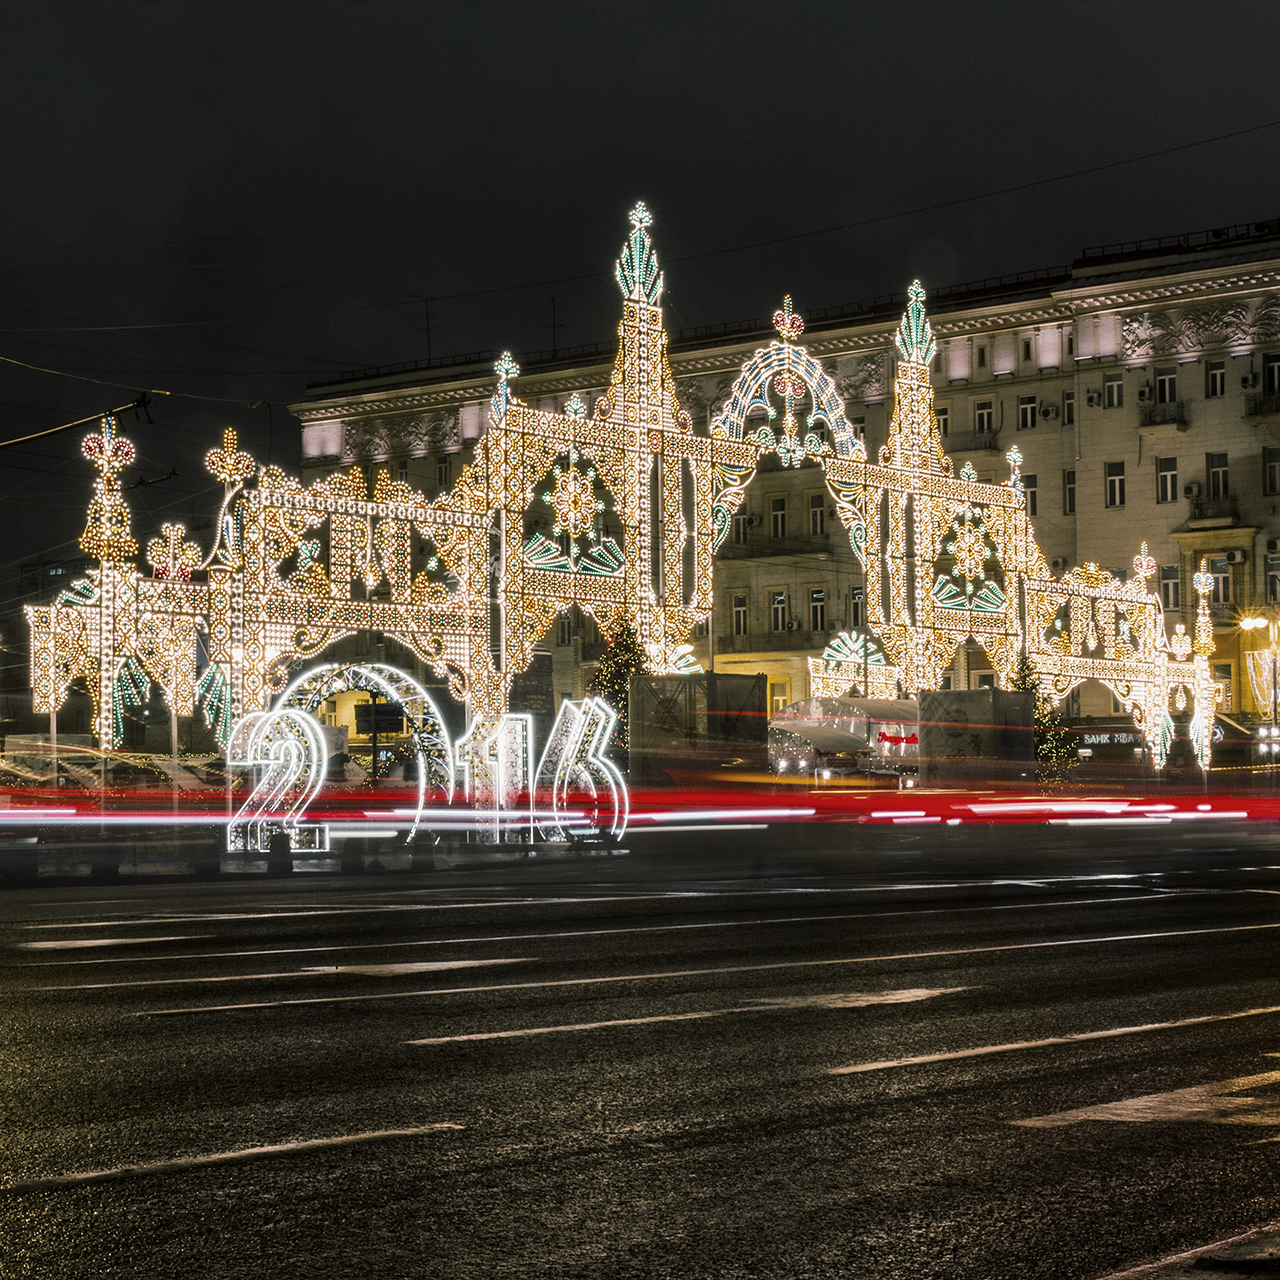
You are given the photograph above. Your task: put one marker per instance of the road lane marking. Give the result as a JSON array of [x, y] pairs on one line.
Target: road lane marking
[[243, 1156], [1215, 1103], [368, 970], [1156, 894], [1082, 1037], [76, 944], [849, 1000], [698, 973]]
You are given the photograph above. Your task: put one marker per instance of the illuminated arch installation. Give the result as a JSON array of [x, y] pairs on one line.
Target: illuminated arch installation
[[945, 556]]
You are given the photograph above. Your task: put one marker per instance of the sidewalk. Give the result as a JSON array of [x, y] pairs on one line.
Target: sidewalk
[[1256, 1253]]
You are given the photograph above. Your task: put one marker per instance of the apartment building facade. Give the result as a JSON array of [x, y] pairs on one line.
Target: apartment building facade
[[1140, 384]]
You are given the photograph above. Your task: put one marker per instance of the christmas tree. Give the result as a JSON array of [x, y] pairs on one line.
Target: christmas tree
[[1055, 748], [623, 657]]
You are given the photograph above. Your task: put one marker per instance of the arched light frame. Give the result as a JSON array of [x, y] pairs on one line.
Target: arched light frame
[[426, 726]]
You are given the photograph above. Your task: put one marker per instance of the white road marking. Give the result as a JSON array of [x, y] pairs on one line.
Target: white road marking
[[850, 1000], [1080, 1038], [697, 973], [376, 970], [76, 944], [220, 1157], [1212, 1103], [1157, 894], [1173, 1259]]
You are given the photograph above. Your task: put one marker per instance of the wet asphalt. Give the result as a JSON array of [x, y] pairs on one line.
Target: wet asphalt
[[699, 1119]]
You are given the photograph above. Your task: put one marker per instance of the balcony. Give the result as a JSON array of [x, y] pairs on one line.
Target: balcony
[[1213, 513], [971, 441], [774, 642], [1172, 414], [1257, 405]]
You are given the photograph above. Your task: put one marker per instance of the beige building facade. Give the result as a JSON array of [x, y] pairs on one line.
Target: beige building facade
[[1140, 384]]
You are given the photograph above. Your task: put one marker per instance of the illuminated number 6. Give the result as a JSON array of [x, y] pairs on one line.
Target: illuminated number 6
[[289, 749], [574, 764]]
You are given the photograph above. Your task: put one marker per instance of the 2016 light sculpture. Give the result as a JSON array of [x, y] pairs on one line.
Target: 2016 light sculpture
[[640, 501]]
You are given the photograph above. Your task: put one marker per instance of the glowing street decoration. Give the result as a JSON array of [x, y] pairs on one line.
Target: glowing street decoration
[[496, 763], [640, 503], [575, 767], [286, 750]]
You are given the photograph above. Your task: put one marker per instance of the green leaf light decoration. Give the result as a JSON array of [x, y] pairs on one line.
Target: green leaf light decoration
[[914, 338], [637, 269]]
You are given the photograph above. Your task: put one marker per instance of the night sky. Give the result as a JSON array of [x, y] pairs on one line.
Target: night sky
[[231, 200]]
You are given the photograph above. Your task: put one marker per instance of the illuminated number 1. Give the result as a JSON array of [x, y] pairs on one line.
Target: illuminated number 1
[[496, 761]]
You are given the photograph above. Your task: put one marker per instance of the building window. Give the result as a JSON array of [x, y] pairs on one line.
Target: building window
[[1271, 470], [945, 684], [1026, 412], [1170, 587], [1113, 391], [701, 628], [1166, 479], [1068, 493], [778, 697], [1068, 408], [1273, 579], [817, 514], [564, 630], [942, 416], [402, 471], [1030, 488], [362, 642], [740, 529], [986, 679], [1071, 344], [1222, 678], [982, 357], [1216, 466], [1221, 573], [984, 416], [818, 609], [778, 610], [778, 517], [859, 426], [1026, 350], [1166, 386], [740, 615], [855, 607], [1271, 374], [1115, 484], [937, 363], [1215, 381], [442, 472]]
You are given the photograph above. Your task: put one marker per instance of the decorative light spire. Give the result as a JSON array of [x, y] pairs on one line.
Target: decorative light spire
[[787, 322], [914, 338], [637, 269], [107, 535], [231, 464], [506, 369]]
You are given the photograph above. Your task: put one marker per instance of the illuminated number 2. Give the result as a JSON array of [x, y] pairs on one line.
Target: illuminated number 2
[[289, 749]]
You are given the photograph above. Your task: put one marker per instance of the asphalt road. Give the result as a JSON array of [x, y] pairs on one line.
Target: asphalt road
[[700, 1057]]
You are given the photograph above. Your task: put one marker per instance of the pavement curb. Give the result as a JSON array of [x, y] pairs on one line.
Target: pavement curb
[[1255, 1253]]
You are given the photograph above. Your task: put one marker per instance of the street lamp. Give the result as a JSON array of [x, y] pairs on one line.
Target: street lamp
[[1271, 624]]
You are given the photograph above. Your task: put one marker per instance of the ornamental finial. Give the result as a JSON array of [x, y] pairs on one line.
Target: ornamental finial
[[637, 269], [914, 338], [787, 323]]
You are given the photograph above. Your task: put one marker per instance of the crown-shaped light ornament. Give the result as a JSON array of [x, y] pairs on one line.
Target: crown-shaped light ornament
[[787, 322], [231, 464], [637, 269], [107, 535]]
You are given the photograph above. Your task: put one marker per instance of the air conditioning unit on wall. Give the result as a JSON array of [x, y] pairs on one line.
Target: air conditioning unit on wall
[[1191, 490], [1093, 398], [1234, 556], [1048, 411], [1058, 563]]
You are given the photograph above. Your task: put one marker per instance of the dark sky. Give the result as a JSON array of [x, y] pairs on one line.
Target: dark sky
[[234, 199]]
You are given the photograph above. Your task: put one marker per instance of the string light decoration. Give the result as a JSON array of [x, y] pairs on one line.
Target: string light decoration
[[642, 503]]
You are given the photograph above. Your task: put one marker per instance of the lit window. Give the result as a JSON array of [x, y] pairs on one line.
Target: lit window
[[740, 615], [778, 517], [778, 610], [1030, 488], [1166, 479], [1113, 391], [984, 416], [1215, 383], [1026, 412], [818, 609], [1216, 466], [1115, 484], [817, 514], [1170, 587], [778, 697]]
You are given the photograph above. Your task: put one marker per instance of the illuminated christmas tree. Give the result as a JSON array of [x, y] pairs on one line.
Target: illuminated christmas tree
[[623, 658], [1055, 748]]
